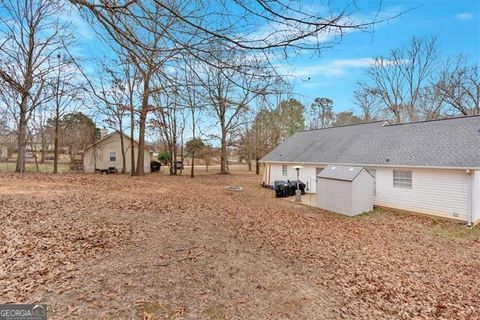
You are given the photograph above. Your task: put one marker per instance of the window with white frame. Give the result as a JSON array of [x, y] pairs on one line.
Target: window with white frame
[[113, 156], [402, 179], [284, 170]]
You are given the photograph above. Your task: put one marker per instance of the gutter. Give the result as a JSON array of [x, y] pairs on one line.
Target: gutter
[[369, 165]]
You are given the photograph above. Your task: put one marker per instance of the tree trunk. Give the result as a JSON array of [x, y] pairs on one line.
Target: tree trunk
[[22, 137], [170, 155], [132, 141], [141, 137], [142, 125], [55, 144], [44, 145], [181, 158], [257, 165], [122, 147], [174, 158], [223, 152], [192, 171], [141, 144]]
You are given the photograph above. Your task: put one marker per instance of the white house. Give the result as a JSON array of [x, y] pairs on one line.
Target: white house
[[108, 153], [430, 167]]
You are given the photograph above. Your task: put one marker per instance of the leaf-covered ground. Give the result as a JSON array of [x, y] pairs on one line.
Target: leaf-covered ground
[[160, 247]]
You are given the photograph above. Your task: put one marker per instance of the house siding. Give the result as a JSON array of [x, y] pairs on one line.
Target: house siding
[[307, 175], [437, 192], [102, 151], [476, 196]]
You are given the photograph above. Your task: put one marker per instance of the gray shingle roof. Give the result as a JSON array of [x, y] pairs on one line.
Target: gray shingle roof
[[451, 142], [345, 173]]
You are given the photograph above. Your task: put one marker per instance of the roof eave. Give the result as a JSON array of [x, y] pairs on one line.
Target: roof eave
[[369, 165]]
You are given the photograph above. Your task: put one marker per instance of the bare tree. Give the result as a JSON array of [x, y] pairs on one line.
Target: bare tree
[[459, 85], [399, 78], [67, 95], [152, 32], [117, 103], [432, 104], [230, 92], [171, 115], [141, 38], [284, 25], [367, 102], [33, 38], [193, 100]]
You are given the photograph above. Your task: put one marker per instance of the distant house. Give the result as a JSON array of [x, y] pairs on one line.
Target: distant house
[[8, 143], [430, 167], [107, 153], [3, 152]]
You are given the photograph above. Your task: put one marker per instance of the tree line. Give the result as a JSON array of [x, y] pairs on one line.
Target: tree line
[[412, 83], [181, 72], [169, 63], [415, 82]]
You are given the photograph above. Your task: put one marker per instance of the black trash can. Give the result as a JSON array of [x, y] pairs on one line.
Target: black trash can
[[280, 188], [293, 187]]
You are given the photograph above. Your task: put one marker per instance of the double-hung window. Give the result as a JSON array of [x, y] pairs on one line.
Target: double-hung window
[[284, 170], [113, 156], [402, 179]]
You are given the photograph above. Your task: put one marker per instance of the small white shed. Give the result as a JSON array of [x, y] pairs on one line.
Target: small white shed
[[345, 190]]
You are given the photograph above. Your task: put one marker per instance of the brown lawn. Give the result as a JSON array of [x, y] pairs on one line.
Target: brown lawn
[[160, 247]]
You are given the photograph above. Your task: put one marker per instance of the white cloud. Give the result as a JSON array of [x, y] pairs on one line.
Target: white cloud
[[332, 68], [77, 24], [465, 16]]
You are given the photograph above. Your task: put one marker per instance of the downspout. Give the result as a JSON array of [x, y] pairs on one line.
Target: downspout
[[470, 196]]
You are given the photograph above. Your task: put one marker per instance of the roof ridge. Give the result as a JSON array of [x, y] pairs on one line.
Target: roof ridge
[[345, 125], [433, 120]]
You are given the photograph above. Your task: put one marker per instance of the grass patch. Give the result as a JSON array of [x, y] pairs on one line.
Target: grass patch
[[30, 167], [215, 312], [455, 231], [154, 309], [375, 213]]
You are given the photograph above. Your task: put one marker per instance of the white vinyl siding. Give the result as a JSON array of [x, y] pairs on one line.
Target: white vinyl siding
[[402, 179], [476, 197], [307, 175], [435, 191]]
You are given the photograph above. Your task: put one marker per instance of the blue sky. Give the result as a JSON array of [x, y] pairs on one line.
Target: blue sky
[[334, 74]]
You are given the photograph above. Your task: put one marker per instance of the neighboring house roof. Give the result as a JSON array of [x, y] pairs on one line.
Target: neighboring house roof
[[453, 142], [111, 135], [344, 173]]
